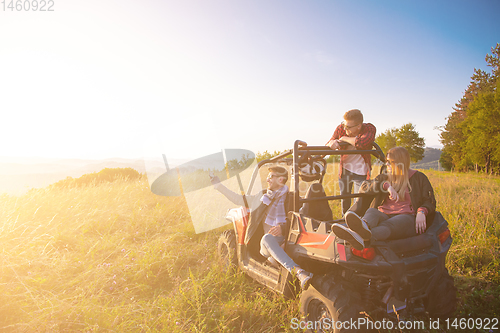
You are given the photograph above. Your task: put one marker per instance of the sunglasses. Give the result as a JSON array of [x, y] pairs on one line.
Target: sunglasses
[[349, 127]]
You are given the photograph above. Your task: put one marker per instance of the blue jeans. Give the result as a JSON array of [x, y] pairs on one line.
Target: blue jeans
[[270, 247], [385, 226], [346, 183]]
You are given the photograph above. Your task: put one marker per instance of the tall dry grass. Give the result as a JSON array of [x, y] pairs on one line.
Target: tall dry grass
[[471, 205], [115, 257]]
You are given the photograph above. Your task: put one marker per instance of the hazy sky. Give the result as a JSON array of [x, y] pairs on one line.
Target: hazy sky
[[98, 79]]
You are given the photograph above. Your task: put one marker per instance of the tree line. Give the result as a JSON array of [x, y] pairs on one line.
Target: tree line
[[471, 136]]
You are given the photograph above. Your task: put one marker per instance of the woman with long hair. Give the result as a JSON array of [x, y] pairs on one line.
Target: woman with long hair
[[403, 205]]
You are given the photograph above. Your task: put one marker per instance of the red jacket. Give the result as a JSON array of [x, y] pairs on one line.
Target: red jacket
[[364, 141]]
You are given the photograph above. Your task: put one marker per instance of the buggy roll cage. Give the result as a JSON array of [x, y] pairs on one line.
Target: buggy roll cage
[[301, 151]]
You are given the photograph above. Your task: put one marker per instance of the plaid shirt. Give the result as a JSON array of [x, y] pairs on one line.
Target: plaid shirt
[[363, 141], [276, 213]]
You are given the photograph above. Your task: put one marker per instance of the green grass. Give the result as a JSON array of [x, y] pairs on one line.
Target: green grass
[[471, 205], [113, 257]]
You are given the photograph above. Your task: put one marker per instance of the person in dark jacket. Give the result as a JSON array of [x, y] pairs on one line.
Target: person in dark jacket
[[403, 205], [269, 213]]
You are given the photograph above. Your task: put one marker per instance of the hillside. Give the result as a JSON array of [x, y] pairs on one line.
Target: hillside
[[18, 175], [430, 160]]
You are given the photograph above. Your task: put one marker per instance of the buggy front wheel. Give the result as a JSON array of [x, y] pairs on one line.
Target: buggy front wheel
[[226, 249]]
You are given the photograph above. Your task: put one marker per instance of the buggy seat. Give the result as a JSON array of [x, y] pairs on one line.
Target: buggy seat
[[318, 210]]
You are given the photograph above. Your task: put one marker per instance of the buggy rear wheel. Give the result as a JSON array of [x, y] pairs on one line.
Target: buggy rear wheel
[[442, 301], [327, 306], [226, 249]]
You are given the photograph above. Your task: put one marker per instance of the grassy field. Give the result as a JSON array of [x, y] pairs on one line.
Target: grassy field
[[113, 257]]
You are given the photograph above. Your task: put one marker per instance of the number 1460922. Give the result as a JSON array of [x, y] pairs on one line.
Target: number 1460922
[[28, 5]]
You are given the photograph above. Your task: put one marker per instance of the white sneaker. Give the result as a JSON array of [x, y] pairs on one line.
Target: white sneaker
[[304, 278], [348, 235], [358, 225]]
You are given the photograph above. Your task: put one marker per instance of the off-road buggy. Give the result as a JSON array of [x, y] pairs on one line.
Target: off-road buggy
[[407, 275]]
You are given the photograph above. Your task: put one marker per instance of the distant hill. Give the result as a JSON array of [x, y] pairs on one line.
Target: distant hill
[[430, 160], [18, 175]]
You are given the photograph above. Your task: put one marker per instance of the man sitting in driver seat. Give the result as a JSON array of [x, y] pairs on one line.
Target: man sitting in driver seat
[[274, 217]]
